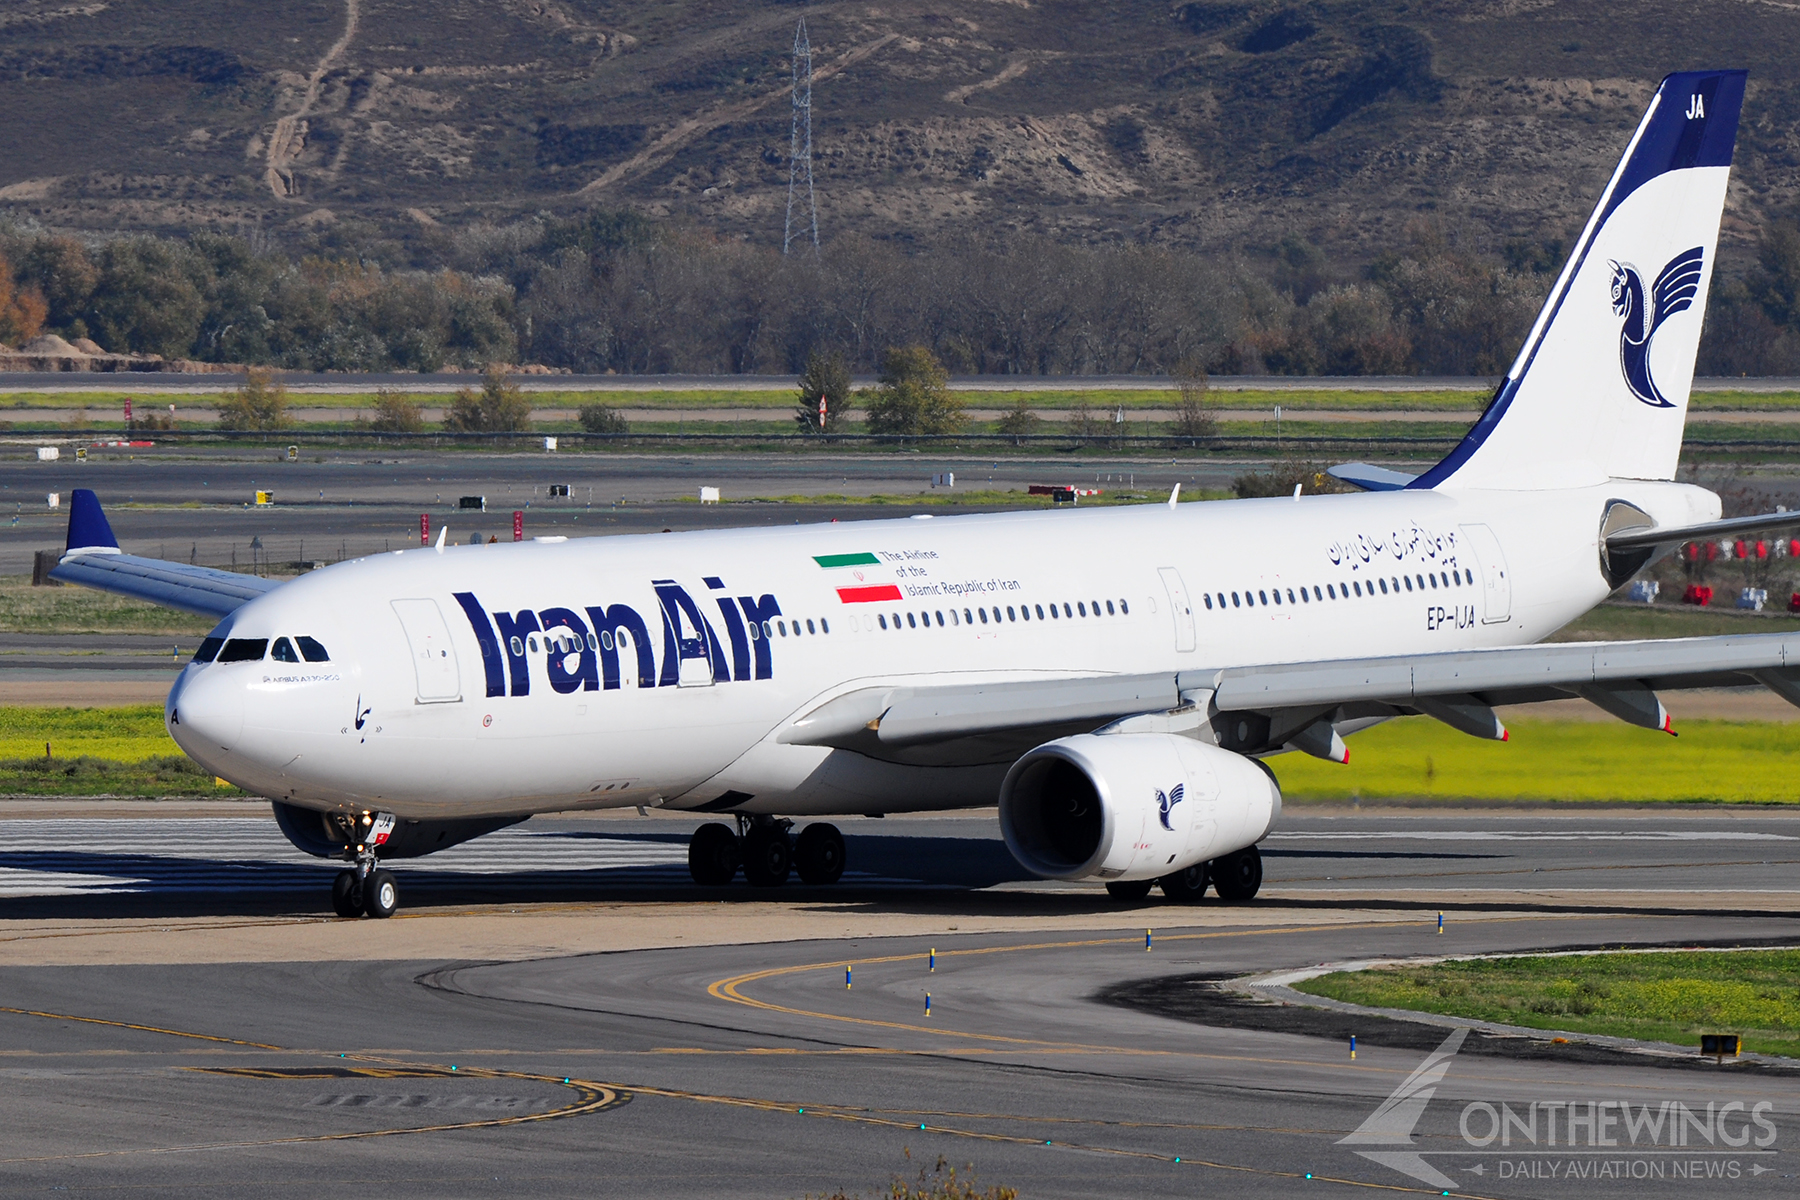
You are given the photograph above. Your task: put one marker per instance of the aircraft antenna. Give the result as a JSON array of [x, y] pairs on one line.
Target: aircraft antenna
[[800, 142]]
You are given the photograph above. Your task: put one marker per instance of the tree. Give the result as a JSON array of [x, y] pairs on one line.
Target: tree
[[22, 309], [499, 407], [602, 418], [1193, 411], [260, 404], [1776, 284], [1082, 421], [1020, 422], [914, 396], [826, 375], [396, 412], [148, 300]]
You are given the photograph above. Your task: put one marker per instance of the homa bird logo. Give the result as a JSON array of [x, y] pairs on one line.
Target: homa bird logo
[[1166, 803], [1644, 313]]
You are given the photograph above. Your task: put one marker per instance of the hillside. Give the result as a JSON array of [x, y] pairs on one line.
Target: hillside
[[1205, 126]]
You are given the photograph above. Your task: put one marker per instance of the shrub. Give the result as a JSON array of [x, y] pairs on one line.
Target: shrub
[[914, 395], [1020, 422], [602, 418], [260, 404], [396, 412], [499, 407]]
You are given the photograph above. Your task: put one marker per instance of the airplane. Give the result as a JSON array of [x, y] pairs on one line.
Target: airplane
[[1112, 678]]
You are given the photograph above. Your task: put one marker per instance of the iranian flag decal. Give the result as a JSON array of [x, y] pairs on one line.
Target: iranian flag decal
[[863, 593]]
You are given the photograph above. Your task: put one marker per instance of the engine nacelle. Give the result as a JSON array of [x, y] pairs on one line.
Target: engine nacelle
[[1132, 805]]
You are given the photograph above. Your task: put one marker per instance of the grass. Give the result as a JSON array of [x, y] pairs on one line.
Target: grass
[[1626, 621], [1662, 996], [130, 734], [1416, 758], [97, 752], [27, 609]]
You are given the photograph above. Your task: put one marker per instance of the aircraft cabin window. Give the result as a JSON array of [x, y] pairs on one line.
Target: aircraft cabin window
[[606, 642], [1208, 601], [517, 647], [1304, 598], [209, 650], [1109, 608], [532, 643], [1009, 612], [1331, 591], [1067, 611], [1124, 608], [284, 651], [910, 623], [883, 621], [968, 618], [1053, 612], [824, 625], [1234, 600], [1433, 579], [1357, 586], [1264, 597], [1383, 584], [1277, 596], [781, 628], [940, 620], [1040, 612], [243, 650], [1408, 579], [809, 626], [983, 613]]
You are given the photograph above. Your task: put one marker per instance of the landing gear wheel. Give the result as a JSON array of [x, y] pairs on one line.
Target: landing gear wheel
[[767, 857], [1129, 889], [1187, 886], [713, 855], [1238, 876], [346, 897], [381, 895], [819, 854]]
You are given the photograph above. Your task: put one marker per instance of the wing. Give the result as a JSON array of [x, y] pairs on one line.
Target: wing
[[93, 559], [1677, 285], [1269, 709]]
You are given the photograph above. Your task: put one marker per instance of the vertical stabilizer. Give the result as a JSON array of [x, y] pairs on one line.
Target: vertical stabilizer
[[1600, 388]]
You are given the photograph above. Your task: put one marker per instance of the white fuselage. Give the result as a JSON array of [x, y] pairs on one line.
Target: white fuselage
[[421, 712]]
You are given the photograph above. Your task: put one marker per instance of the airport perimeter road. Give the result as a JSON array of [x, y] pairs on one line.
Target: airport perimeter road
[[611, 1031]]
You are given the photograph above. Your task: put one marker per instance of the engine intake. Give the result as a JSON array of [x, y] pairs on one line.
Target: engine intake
[[1132, 806]]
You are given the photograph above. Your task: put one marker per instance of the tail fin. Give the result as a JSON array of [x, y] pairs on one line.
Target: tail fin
[[89, 530], [1600, 388]]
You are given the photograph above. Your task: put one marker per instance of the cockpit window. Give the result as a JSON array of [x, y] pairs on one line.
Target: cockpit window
[[209, 650], [284, 651], [311, 649], [243, 650]]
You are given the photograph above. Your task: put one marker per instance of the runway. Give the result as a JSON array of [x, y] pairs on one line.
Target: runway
[[556, 1011]]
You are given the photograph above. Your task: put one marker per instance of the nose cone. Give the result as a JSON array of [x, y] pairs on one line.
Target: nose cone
[[205, 713]]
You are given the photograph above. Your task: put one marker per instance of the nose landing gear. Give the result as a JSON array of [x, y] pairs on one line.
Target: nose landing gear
[[762, 847], [365, 888]]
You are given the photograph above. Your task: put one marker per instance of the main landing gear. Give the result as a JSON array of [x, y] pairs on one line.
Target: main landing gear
[[1236, 877], [762, 848], [365, 888]]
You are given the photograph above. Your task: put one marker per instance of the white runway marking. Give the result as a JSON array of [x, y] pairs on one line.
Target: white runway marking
[[93, 856]]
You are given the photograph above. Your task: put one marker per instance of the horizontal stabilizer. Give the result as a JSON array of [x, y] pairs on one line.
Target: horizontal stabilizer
[[1709, 531], [200, 590], [1369, 477]]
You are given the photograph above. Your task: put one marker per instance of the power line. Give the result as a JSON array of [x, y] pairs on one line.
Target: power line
[[800, 140]]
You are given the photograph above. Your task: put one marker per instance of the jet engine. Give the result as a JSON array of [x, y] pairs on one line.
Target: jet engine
[[1132, 806], [318, 834]]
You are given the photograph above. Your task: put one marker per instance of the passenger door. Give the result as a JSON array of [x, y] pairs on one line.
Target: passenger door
[[1496, 586], [1181, 606], [433, 657]]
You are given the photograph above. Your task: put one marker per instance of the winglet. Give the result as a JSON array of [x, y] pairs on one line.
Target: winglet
[[89, 532]]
